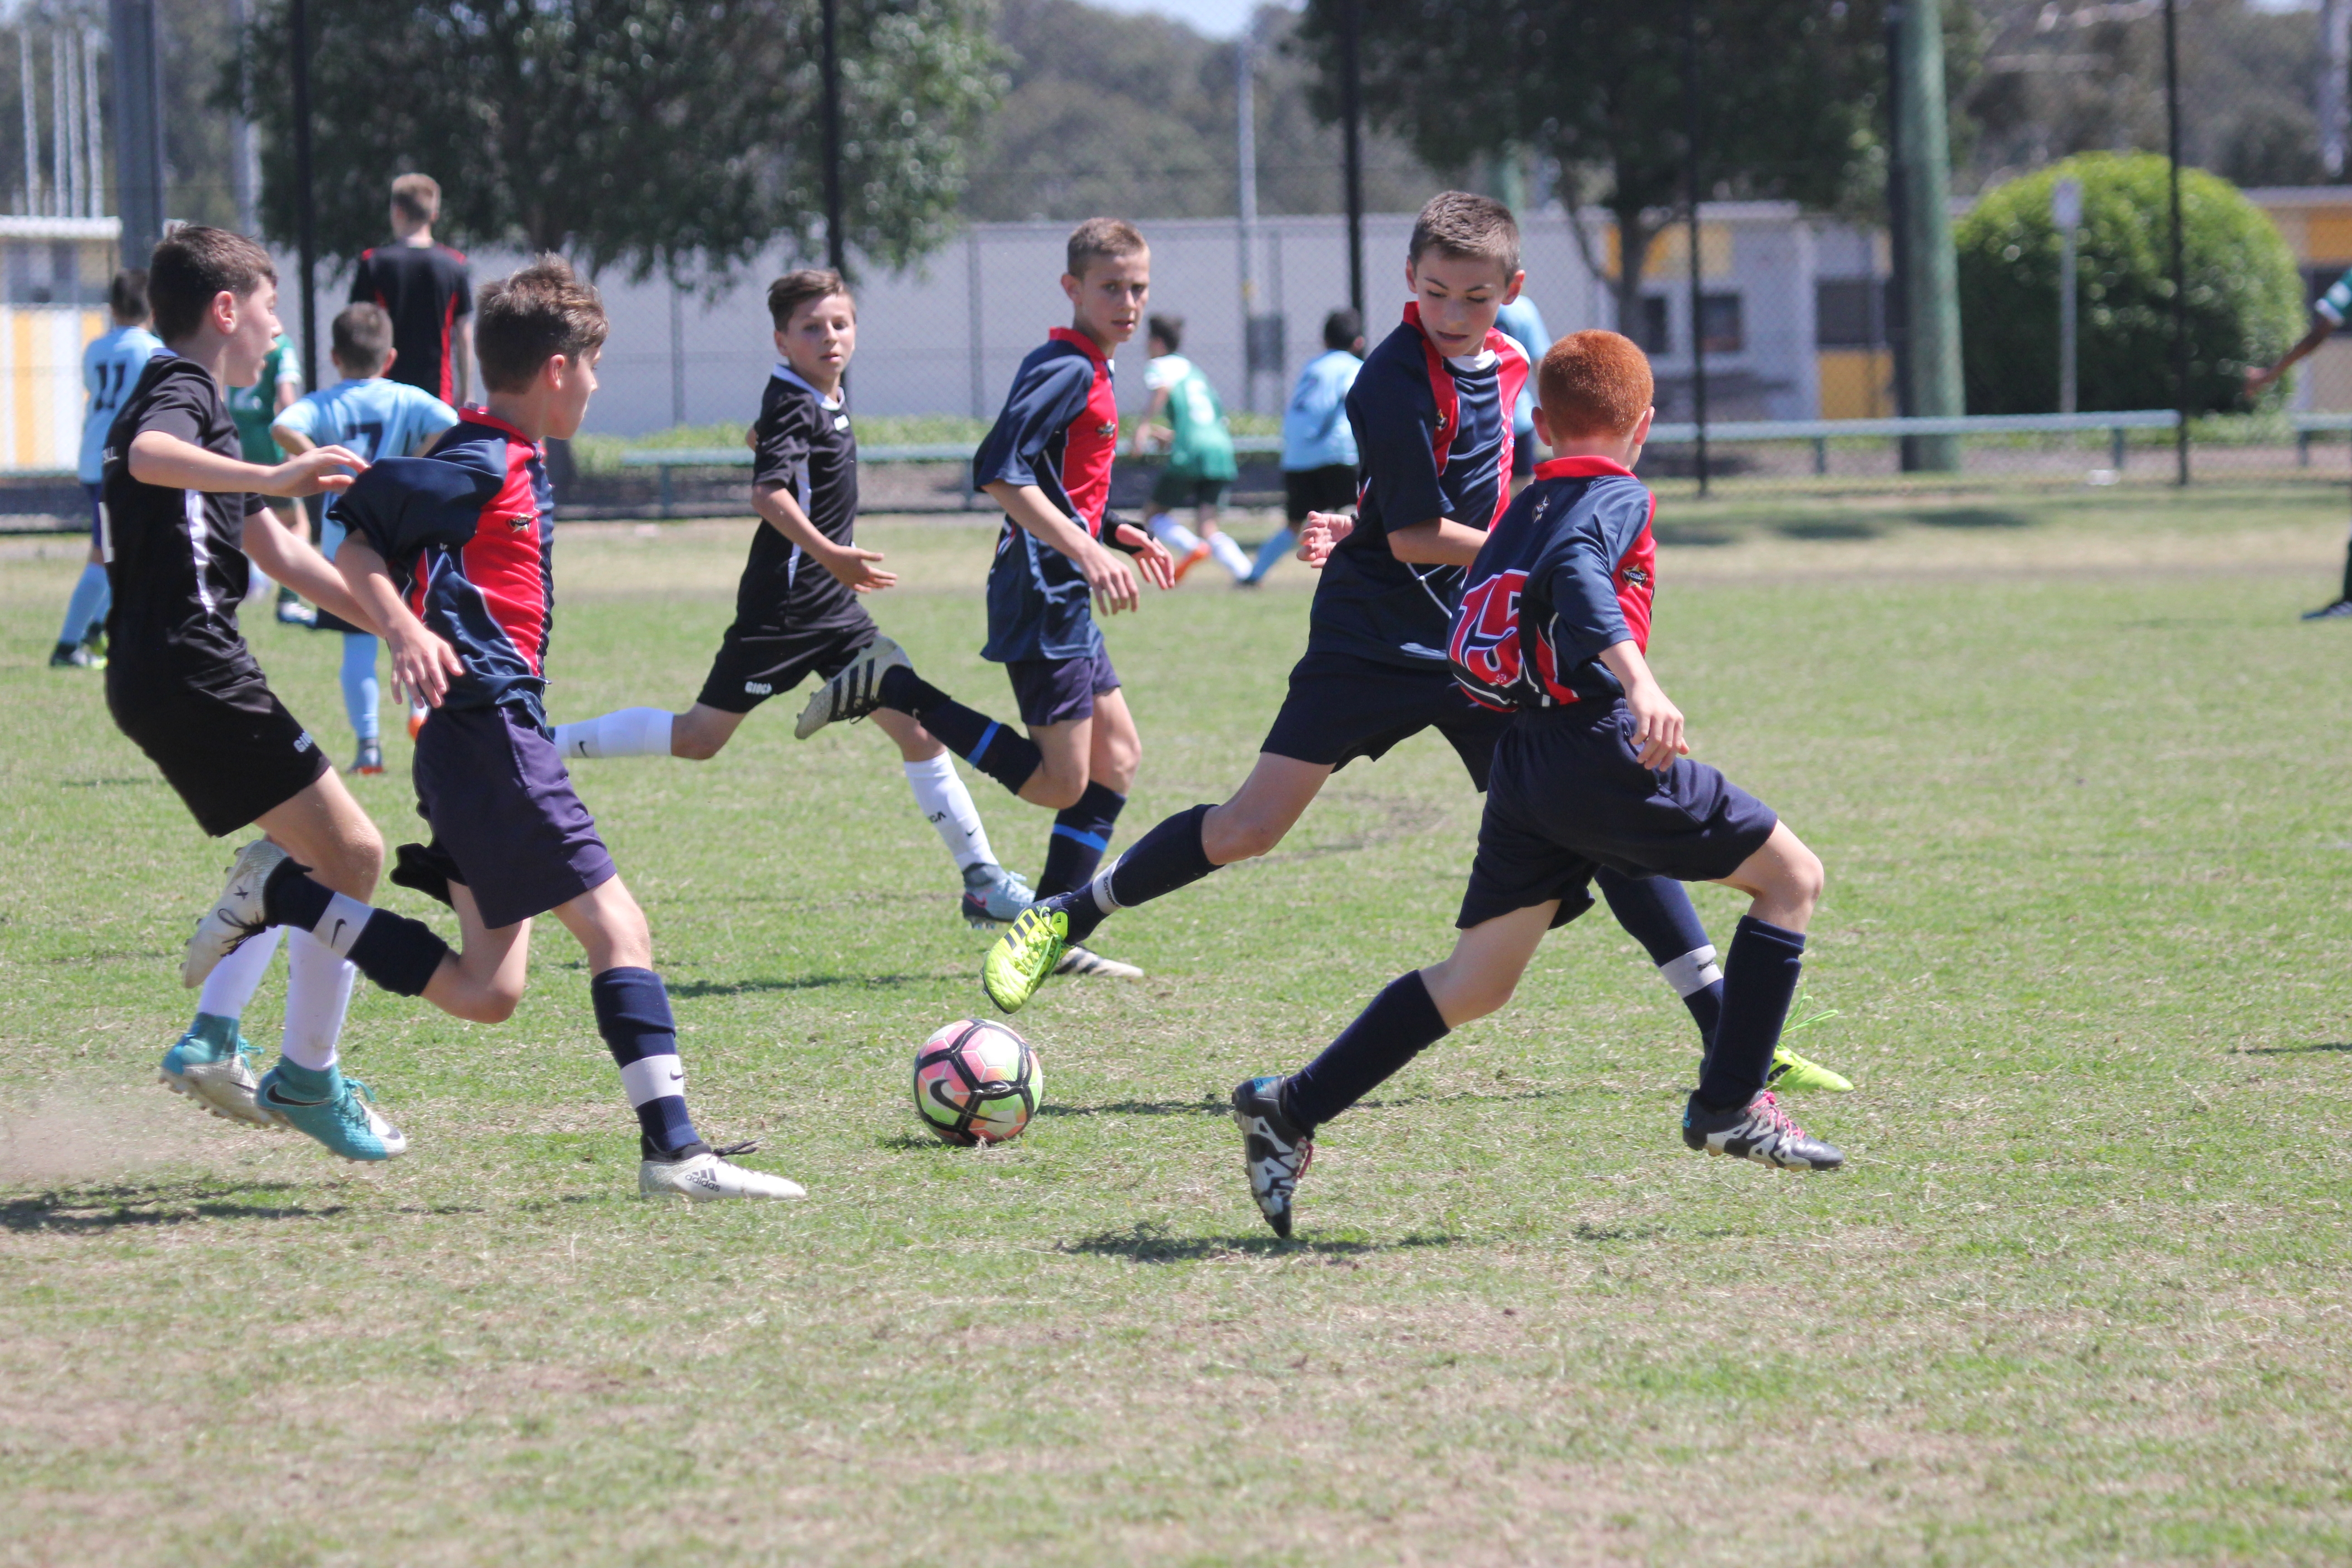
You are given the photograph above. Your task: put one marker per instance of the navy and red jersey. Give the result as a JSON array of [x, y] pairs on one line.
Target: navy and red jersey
[[1058, 431], [470, 534], [1569, 571], [1435, 439], [426, 289]]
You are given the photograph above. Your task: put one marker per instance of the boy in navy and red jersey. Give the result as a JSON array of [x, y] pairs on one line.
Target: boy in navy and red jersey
[[1591, 774], [450, 556], [1431, 410], [1047, 463], [426, 288]]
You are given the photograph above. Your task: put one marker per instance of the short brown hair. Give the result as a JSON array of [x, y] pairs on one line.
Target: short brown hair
[[1471, 228], [1169, 329], [192, 266], [417, 197], [362, 337], [1098, 240], [523, 320], [126, 296], [797, 287], [1594, 384]]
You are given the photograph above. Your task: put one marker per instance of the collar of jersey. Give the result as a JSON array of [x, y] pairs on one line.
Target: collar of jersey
[[478, 415], [1582, 468], [1484, 359], [786, 372], [1072, 335]]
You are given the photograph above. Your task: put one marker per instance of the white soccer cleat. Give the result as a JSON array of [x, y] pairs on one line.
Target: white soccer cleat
[[706, 1178], [236, 917], [1081, 962]]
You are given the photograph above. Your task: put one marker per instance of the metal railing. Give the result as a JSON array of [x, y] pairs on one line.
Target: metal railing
[[1821, 432]]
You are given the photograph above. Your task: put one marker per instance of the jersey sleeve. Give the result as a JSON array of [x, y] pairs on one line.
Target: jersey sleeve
[[430, 416], [302, 416], [363, 282], [781, 440], [2337, 301], [1044, 401], [1578, 571], [177, 407], [1393, 444], [403, 506], [289, 366]]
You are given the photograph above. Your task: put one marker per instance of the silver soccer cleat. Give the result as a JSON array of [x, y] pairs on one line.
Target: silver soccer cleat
[[236, 917], [706, 1178], [855, 691]]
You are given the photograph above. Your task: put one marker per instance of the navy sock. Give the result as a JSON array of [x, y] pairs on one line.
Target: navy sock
[[396, 952], [1759, 981], [1167, 858], [1401, 1023], [1081, 833], [1656, 912], [1004, 754], [633, 1014]]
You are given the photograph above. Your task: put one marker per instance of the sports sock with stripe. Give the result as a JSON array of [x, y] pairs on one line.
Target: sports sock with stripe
[[1759, 981], [398, 953], [1403, 1022], [1081, 833], [318, 993], [231, 985], [1657, 912], [91, 594], [633, 1014], [1005, 756], [359, 682], [947, 805], [623, 732], [1166, 858]]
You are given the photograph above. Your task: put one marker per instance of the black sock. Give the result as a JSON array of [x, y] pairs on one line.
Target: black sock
[[1759, 980], [1081, 833], [1401, 1023], [397, 954], [1002, 754], [1167, 858], [1656, 912], [633, 1014]]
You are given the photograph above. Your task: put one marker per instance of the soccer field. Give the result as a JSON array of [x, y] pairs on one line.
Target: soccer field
[[2080, 1296]]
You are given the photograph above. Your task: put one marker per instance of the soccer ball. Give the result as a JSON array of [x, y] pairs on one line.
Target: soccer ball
[[977, 1083]]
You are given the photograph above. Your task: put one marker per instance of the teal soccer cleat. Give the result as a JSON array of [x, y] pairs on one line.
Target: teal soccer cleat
[[212, 1063], [328, 1107]]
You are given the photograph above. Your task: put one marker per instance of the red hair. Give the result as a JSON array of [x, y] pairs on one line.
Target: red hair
[[1594, 384]]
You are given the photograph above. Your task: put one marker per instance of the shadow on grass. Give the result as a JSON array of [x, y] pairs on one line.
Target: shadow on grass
[[1830, 528], [1149, 1244], [1692, 535], [1971, 517], [803, 983], [2297, 1050], [1207, 1105], [100, 1210]]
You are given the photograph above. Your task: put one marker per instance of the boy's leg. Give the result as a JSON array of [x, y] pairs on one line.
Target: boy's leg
[[647, 732], [882, 677], [361, 700], [1221, 543], [210, 1063], [991, 895], [84, 607]]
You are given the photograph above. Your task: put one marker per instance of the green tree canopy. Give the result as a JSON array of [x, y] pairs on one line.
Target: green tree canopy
[[2245, 298], [652, 133]]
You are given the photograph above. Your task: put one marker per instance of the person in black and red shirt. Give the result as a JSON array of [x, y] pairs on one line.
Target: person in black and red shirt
[[427, 290], [1592, 773]]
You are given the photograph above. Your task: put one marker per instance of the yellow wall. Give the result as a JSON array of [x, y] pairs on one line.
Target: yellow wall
[[1857, 383]]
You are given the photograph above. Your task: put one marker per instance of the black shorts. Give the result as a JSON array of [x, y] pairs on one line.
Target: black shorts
[[1570, 796], [1332, 488], [1341, 707], [1169, 491], [96, 494], [1057, 691], [757, 662], [232, 755], [506, 822]]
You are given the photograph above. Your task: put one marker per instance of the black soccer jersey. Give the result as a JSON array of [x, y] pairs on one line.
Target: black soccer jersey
[[426, 289], [806, 445], [175, 558]]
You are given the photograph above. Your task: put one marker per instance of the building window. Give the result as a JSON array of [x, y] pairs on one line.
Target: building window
[[1650, 329], [1851, 313], [1719, 327]]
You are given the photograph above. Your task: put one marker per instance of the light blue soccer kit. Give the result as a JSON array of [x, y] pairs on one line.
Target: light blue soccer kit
[[110, 367], [375, 417]]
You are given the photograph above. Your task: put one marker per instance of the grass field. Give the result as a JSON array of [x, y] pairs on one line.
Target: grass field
[[2082, 1295]]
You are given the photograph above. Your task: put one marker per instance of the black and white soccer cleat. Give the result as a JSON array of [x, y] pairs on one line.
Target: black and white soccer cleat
[[1758, 1131], [1275, 1151], [855, 691]]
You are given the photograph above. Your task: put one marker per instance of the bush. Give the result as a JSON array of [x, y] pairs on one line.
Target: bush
[[2245, 298]]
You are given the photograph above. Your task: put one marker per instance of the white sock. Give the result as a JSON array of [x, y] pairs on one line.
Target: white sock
[[623, 732], [318, 994], [1694, 971], [1174, 535], [234, 979], [947, 805], [1229, 554]]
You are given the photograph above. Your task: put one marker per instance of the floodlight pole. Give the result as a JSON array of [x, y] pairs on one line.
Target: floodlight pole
[[1351, 117], [1690, 198], [836, 247], [2179, 260], [306, 204], [139, 145], [2066, 213]]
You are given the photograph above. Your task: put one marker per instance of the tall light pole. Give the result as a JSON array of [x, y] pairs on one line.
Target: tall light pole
[[2180, 259], [2066, 213], [1245, 207], [306, 202], [138, 106], [1931, 306], [1351, 115], [1691, 187], [837, 243]]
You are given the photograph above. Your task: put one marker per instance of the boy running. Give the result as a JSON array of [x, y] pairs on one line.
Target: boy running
[[796, 608], [1318, 445], [1592, 772], [376, 417], [254, 408], [1047, 463], [1200, 470], [1431, 410], [110, 367], [450, 555]]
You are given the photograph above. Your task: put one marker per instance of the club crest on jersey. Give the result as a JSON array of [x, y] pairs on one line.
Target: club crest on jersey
[[1638, 576], [520, 522], [1107, 430]]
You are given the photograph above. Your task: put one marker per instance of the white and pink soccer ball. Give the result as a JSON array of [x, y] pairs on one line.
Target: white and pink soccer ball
[[977, 1083]]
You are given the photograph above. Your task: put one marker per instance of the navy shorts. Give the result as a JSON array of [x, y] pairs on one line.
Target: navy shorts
[[96, 494], [1057, 691], [1332, 488], [1169, 491], [505, 823], [1341, 707], [757, 662], [1570, 796]]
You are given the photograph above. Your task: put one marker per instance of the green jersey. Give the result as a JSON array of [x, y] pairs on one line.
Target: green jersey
[[1202, 447], [255, 407]]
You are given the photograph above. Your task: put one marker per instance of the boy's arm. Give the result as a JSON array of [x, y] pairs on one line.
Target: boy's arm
[[461, 356], [293, 441], [1439, 542], [1657, 722], [1403, 471], [288, 558], [420, 661], [1107, 575], [853, 568], [1148, 426], [160, 459]]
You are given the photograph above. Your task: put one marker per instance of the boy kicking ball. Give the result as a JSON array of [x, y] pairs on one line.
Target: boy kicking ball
[[1592, 773], [796, 610], [449, 555]]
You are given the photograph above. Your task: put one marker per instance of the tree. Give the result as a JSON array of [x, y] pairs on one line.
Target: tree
[[659, 134]]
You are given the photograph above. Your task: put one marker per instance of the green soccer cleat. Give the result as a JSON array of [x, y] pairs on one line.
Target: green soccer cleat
[[212, 1063], [328, 1107], [1025, 955], [1792, 1074]]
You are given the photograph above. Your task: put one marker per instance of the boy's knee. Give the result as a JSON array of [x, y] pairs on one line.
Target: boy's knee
[[494, 1004], [1461, 998], [1806, 878], [694, 747], [1227, 838]]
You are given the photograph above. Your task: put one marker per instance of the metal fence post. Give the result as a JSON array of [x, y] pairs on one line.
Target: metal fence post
[[2179, 262], [1690, 197]]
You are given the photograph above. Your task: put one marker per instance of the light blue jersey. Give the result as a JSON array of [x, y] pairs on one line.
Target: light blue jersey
[[1315, 430], [374, 416], [1523, 324], [110, 369]]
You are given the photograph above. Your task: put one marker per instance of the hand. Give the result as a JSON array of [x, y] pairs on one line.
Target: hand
[[855, 569], [422, 663], [1151, 557], [2259, 379], [751, 438], [1657, 726], [319, 468], [1112, 584], [1322, 534]]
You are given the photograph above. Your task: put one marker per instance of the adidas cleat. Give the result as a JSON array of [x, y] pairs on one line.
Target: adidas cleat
[[2334, 610], [338, 1111], [1793, 1074], [702, 1175], [1758, 1131], [993, 896], [212, 1063], [1025, 955], [855, 691], [371, 758], [1275, 1152], [1084, 963], [236, 916]]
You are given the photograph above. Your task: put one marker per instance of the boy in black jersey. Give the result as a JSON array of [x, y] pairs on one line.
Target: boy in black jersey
[[427, 290], [182, 513], [1592, 773], [796, 610]]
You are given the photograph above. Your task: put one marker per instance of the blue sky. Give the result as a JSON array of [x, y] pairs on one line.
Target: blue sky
[[1218, 18]]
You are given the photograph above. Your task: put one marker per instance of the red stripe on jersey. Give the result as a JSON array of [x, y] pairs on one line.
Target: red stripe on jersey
[[1092, 439], [1636, 578], [505, 560], [448, 323], [1510, 379]]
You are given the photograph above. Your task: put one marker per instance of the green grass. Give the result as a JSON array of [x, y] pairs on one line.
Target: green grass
[[2077, 776]]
